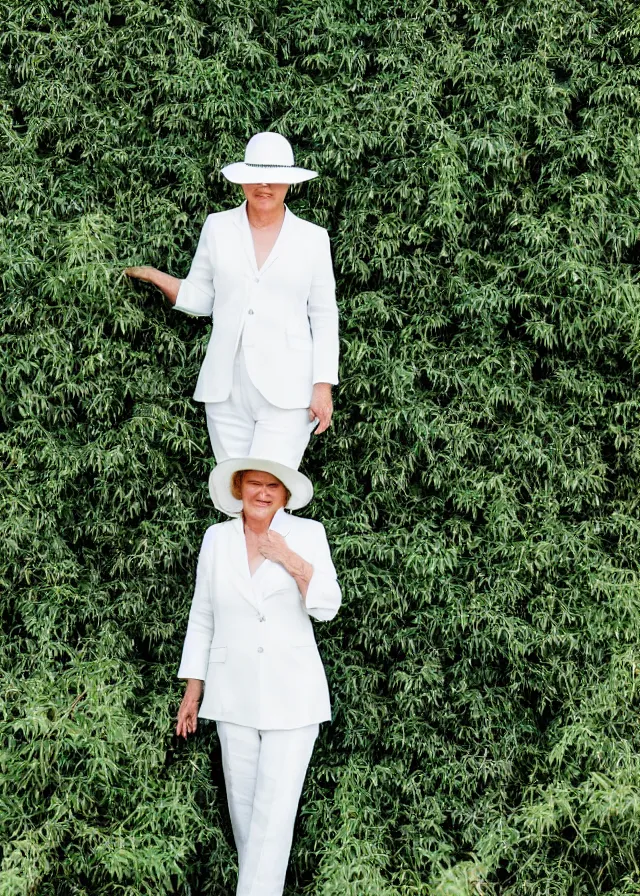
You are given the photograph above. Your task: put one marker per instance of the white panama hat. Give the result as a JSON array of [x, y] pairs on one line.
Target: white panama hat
[[268, 159], [220, 477]]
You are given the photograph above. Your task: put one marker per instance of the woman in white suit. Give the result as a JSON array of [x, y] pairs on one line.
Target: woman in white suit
[[265, 277], [250, 646]]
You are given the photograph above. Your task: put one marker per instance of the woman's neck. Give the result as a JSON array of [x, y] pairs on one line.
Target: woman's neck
[[257, 526], [267, 218]]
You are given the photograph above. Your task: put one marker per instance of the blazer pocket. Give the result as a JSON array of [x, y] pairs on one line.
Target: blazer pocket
[[218, 655]]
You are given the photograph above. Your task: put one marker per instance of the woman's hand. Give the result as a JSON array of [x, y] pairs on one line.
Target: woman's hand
[[321, 406], [144, 272], [188, 712], [273, 546]]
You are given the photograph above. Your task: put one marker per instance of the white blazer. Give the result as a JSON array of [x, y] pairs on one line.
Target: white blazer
[[284, 315], [250, 639]]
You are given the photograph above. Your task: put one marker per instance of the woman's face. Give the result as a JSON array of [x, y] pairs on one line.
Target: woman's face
[[265, 197], [262, 494]]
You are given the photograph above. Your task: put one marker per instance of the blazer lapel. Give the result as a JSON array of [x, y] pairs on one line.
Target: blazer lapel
[[242, 223], [272, 572], [280, 523], [239, 563]]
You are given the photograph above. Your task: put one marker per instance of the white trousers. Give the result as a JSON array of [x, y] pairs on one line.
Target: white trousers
[[247, 425], [264, 773]]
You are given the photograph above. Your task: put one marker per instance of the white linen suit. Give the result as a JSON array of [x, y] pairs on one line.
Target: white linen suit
[[282, 318], [250, 639]]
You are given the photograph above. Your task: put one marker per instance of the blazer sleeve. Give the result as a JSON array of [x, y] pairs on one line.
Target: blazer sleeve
[[195, 651], [196, 293], [323, 594], [323, 315]]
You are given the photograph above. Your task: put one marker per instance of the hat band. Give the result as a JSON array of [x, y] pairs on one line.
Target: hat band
[[266, 165]]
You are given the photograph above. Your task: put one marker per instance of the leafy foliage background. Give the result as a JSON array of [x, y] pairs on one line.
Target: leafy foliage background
[[480, 166]]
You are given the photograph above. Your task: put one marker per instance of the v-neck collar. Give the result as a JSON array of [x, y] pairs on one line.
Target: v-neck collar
[[279, 523], [247, 239], [239, 560]]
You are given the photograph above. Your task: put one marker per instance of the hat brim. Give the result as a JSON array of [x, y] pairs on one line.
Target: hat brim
[[299, 486], [241, 173]]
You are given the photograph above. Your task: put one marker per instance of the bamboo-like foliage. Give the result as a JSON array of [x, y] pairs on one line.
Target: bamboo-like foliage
[[480, 167]]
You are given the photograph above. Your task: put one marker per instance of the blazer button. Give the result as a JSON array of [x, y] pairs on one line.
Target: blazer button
[[262, 618], [250, 311], [260, 649]]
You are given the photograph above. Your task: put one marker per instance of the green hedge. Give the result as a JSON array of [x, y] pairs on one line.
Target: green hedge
[[480, 167]]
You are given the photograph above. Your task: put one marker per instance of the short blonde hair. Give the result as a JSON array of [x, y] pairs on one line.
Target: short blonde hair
[[236, 486]]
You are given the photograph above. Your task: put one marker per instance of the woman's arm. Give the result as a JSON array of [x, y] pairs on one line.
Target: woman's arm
[[317, 581], [195, 294], [167, 284], [300, 570], [323, 316], [195, 651], [273, 546], [323, 594]]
